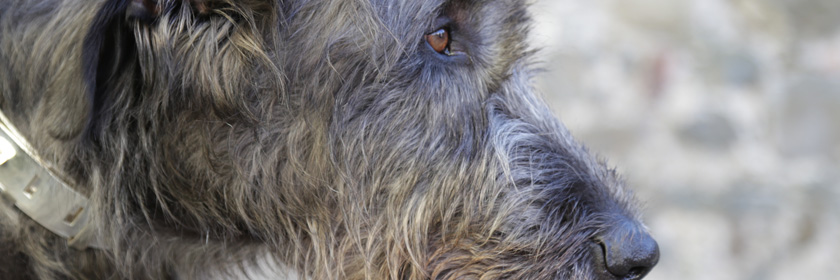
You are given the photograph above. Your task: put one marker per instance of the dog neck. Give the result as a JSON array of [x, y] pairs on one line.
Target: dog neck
[[36, 191]]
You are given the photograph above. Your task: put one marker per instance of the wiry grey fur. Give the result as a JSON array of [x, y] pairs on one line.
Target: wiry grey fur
[[323, 136]]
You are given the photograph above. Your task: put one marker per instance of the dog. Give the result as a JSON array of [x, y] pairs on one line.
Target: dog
[[311, 139]]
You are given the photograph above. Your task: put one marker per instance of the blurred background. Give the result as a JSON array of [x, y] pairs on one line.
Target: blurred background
[[723, 115]]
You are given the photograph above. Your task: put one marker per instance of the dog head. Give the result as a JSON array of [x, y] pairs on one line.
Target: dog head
[[364, 138]]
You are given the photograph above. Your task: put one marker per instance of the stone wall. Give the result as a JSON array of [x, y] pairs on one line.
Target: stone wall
[[724, 115]]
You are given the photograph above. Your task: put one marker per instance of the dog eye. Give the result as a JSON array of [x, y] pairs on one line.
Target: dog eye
[[439, 40]]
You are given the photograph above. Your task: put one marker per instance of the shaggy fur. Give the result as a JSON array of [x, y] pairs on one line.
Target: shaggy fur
[[323, 137]]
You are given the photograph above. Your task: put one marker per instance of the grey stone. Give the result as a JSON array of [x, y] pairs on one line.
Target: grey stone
[[710, 131], [808, 119], [741, 69], [812, 18]]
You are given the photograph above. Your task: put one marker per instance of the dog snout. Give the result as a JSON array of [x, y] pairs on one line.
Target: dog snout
[[625, 252]]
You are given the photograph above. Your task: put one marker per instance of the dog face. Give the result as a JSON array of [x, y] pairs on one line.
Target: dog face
[[356, 139]]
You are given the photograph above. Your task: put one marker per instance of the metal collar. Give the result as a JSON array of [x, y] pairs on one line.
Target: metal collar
[[35, 189]]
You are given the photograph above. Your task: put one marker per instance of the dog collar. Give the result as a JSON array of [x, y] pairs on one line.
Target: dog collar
[[33, 186]]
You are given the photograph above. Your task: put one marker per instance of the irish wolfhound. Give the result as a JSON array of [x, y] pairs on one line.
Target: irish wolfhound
[[320, 139]]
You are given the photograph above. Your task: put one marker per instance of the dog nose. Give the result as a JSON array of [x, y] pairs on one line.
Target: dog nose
[[628, 252]]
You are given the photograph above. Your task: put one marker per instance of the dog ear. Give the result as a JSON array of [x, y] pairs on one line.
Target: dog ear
[[111, 54], [108, 54]]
